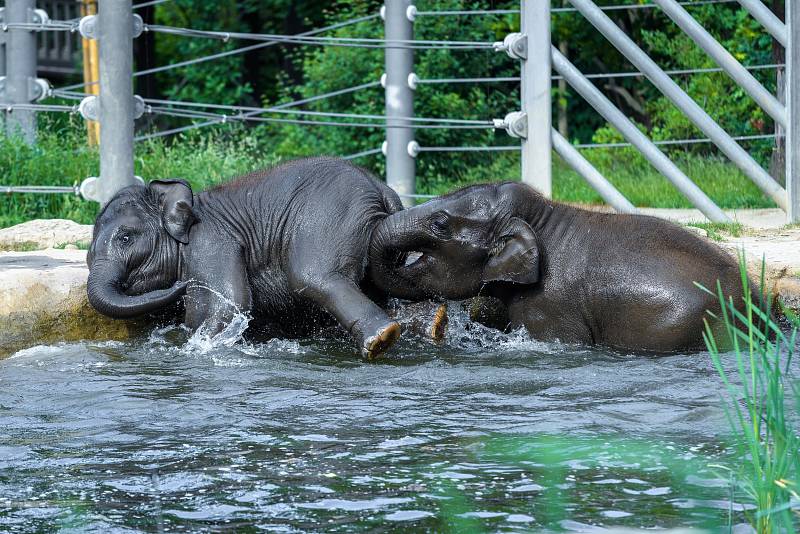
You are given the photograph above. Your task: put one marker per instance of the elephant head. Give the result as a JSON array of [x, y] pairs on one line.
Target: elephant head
[[452, 246], [134, 258]]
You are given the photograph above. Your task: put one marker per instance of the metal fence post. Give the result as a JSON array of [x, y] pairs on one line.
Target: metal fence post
[[116, 109], [20, 79], [535, 96], [793, 108], [2, 66], [400, 164]]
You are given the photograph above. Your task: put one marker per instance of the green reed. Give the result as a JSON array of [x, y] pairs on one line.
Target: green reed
[[758, 408]]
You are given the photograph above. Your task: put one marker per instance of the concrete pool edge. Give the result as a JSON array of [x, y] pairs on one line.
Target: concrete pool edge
[[43, 292]]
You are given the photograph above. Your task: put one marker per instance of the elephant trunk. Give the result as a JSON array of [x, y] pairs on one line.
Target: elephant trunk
[[107, 297], [393, 239]]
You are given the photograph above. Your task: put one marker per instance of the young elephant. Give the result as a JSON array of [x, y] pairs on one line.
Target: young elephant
[[288, 245], [626, 281]]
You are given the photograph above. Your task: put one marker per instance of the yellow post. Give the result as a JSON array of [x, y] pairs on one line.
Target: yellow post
[[91, 70]]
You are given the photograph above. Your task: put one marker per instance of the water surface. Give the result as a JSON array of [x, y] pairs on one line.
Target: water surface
[[488, 431]]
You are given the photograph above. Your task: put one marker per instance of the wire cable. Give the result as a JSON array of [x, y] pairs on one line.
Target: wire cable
[[40, 189], [233, 52], [282, 110], [643, 6], [324, 41], [363, 153]]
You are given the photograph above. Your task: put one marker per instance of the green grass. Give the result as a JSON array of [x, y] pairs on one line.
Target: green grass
[[718, 231], [62, 158], [630, 173], [207, 157], [758, 409]]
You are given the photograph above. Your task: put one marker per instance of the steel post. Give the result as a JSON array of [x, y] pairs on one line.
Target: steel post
[[592, 176], [536, 97], [614, 116], [793, 106], [684, 102], [115, 32], [2, 66], [724, 59], [400, 164], [20, 69]]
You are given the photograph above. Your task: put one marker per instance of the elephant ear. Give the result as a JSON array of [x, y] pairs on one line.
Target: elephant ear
[[514, 256], [176, 201]]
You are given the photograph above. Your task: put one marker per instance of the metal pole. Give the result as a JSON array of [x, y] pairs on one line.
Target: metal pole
[[21, 69], [724, 59], [793, 106], [684, 102], [535, 96], [767, 18], [596, 180], [400, 164], [665, 166], [115, 28], [2, 67]]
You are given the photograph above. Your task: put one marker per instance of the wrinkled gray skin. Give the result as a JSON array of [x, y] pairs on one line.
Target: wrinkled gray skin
[[287, 245], [625, 281]]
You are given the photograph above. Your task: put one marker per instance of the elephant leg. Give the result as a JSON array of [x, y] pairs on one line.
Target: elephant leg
[[218, 294], [373, 330]]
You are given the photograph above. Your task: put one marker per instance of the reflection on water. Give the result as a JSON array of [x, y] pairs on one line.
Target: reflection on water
[[488, 431]]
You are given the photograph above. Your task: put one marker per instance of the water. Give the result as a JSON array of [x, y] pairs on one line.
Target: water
[[489, 431]]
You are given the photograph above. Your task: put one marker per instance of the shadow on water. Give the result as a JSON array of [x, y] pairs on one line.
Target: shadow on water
[[487, 432]]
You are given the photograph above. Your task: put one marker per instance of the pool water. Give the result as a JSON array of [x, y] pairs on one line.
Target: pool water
[[487, 432]]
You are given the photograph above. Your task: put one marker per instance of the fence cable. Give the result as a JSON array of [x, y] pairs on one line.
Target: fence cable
[[40, 189], [283, 110], [233, 52], [358, 42], [609, 75]]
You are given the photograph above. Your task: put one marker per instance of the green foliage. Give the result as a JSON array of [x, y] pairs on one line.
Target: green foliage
[[769, 473], [61, 158]]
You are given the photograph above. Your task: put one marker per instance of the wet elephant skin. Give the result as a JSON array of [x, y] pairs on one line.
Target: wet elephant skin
[[563, 273]]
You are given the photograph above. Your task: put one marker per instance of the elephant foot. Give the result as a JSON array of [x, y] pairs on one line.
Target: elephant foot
[[381, 341], [439, 324]]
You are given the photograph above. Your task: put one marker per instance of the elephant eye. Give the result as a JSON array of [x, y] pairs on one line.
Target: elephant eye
[[124, 238], [440, 225]]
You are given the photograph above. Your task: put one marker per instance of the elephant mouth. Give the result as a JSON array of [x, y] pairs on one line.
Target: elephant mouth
[[412, 262], [412, 257]]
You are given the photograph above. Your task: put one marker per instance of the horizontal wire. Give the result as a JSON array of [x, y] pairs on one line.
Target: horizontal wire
[[150, 3], [598, 75], [324, 41], [40, 189], [52, 26], [486, 123], [235, 51], [363, 153], [675, 72], [327, 95], [445, 13], [468, 148], [668, 142], [250, 116], [456, 12], [39, 107], [643, 6]]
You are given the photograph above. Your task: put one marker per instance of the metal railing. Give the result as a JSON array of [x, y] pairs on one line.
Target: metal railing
[[116, 26]]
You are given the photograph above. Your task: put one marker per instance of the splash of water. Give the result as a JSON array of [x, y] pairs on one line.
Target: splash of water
[[465, 334], [204, 340]]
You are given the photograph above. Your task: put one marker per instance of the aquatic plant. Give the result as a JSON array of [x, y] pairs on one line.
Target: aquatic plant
[[758, 409]]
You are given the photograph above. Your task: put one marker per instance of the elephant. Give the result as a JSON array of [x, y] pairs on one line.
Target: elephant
[[564, 273], [286, 245]]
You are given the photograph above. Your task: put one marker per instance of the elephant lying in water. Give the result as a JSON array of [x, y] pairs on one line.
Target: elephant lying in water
[[287, 245], [626, 281]]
